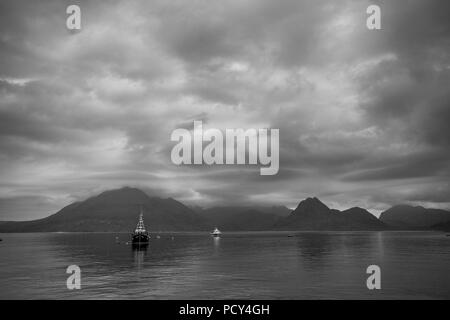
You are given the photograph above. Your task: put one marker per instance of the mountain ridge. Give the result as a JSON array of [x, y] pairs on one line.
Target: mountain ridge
[[414, 217], [117, 211], [313, 214]]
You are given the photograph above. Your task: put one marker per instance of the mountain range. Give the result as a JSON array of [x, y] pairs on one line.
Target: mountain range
[[117, 211], [312, 214], [408, 217], [244, 218]]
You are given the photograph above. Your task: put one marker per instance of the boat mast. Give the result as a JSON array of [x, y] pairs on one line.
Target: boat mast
[[140, 228]]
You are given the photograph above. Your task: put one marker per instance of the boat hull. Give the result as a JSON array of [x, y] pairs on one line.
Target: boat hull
[[140, 239]]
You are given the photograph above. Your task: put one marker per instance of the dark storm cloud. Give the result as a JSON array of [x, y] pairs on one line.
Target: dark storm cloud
[[232, 30], [363, 115], [437, 192], [407, 98], [424, 164]]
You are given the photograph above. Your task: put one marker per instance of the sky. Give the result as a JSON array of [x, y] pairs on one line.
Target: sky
[[363, 114]]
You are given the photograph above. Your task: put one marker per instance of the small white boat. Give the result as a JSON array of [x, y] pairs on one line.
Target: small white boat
[[216, 233]]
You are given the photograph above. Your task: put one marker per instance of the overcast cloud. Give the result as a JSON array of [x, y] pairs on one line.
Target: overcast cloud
[[363, 115]]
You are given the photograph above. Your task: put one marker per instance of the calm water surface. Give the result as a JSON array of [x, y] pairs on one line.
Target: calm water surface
[[257, 265]]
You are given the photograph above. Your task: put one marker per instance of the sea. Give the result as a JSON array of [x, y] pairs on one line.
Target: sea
[[238, 265]]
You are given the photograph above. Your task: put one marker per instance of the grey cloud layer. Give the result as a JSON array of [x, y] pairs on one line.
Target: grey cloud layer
[[363, 115]]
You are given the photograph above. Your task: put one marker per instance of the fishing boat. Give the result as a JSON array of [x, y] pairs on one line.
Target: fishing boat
[[140, 236], [216, 233]]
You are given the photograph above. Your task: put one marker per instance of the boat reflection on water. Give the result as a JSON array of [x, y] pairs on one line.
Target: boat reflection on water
[[139, 253], [139, 247], [216, 249]]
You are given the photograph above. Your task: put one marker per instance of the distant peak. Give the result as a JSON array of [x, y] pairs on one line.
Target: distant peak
[[356, 209], [312, 204], [123, 194], [313, 200], [127, 189], [406, 207]]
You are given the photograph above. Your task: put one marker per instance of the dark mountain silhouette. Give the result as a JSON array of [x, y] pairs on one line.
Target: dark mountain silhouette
[[445, 226], [409, 217], [243, 218], [359, 218], [115, 210], [118, 210], [312, 214], [280, 211]]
